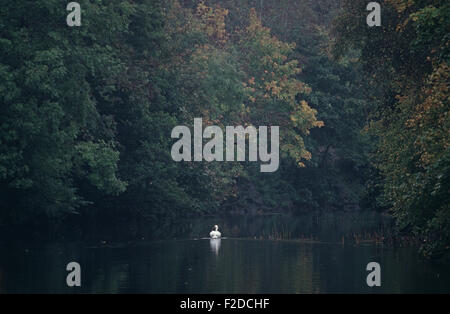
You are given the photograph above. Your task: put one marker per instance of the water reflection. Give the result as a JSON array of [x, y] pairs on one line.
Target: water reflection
[[215, 245], [245, 265]]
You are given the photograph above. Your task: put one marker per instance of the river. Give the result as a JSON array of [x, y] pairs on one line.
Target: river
[[258, 255]]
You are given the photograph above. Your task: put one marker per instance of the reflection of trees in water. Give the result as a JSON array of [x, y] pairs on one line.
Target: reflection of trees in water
[[109, 278], [244, 266]]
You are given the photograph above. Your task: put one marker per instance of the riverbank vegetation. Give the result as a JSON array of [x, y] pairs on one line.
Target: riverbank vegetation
[[406, 62], [86, 112]]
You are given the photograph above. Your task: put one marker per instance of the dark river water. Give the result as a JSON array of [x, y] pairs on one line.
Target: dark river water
[[288, 256]]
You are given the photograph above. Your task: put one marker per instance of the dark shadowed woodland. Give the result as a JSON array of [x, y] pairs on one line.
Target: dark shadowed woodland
[[86, 114]]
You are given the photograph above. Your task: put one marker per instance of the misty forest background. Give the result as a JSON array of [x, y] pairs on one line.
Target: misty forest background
[[86, 112]]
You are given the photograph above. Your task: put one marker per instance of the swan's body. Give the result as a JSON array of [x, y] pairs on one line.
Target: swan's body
[[215, 234]]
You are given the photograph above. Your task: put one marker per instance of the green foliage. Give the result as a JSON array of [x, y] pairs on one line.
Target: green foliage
[[409, 53], [48, 111], [98, 164], [87, 112]]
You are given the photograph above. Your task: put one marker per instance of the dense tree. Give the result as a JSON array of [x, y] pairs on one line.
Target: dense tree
[[87, 112], [407, 59], [52, 79]]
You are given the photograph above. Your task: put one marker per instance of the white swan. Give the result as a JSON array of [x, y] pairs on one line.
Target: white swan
[[215, 234]]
